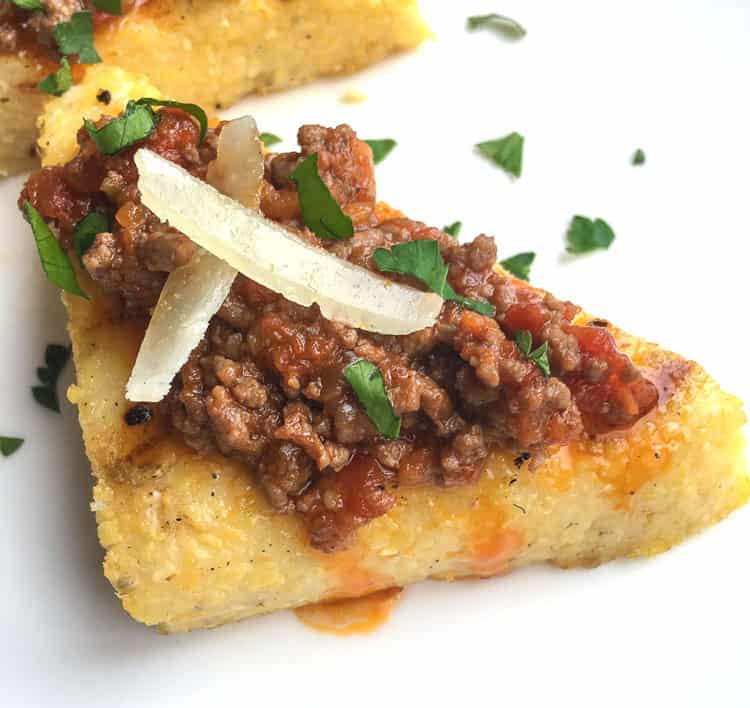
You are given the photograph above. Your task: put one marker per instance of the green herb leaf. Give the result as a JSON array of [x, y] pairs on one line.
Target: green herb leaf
[[58, 82], [381, 149], [9, 445], [422, 260], [77, 37], [28, 4], [367, 381], [639, 157], [585, 235], [269, 139], [320, 210], [136, 123], [86, 230], [55, 262], [505, 152], [56, 356], [111, 7], [539, 356], [193, 109], [504, 25], [453, 229], [520, 264]]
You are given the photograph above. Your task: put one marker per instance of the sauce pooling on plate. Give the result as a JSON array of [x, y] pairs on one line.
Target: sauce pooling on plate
[[359, 615]]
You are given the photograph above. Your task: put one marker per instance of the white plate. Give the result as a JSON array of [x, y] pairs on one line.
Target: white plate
[[590, 83]]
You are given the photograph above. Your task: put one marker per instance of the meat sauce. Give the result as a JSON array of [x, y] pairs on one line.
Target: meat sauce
[[266, 383]]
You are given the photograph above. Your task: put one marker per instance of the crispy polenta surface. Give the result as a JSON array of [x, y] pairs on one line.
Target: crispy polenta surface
[[214, 52], [192, 542]]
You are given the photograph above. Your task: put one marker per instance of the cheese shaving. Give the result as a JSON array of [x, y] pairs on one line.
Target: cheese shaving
[[277, 258], [193, 293]]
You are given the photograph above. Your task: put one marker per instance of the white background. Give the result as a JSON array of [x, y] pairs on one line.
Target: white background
[[590, 83]]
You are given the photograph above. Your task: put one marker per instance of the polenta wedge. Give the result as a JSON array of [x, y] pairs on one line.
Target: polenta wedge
[[211, 52], [194, 536]]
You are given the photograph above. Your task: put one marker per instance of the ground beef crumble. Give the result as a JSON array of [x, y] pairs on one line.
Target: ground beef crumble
[[266, 384]]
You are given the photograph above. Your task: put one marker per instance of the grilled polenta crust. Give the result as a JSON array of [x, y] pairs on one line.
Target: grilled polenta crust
[[192, 542], [213, 52]]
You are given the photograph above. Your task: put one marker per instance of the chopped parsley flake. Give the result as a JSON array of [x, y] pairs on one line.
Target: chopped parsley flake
[[136, 123], [58, 82], [381, 148], [585, 235], [269, 139], [28, 4], [520, 264], [321, 212], [539, 356], [9, 445], [55, 357], [506, 26], [422, 260], [369, 387], [86, 230], [55, 261], [453, 229], [506, 152], [192, 108], [77, 37], [111, 7]]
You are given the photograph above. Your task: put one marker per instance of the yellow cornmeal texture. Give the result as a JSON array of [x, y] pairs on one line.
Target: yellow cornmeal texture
[[213, 52], [191, 541]]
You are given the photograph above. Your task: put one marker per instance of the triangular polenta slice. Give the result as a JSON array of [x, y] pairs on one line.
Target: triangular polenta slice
[[213, 52], [192, 542]]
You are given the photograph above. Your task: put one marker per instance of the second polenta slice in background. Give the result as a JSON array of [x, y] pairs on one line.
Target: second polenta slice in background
[[211, 52]]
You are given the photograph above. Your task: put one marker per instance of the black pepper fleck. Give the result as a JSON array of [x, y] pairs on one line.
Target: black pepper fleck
[[523, 457], [599, 323], [138, 414], [104, 96]]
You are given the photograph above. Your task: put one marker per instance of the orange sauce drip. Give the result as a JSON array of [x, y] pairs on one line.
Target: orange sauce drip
[[493, 549], [359, 615], [492, 543]]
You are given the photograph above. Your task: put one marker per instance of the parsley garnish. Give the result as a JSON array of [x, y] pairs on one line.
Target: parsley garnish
[[55, 357], [111, 7], [538, 356], [381, 149], [504, 25], [9, 445], [520, 264], [506, 152], [28, 4], [453, 229], [86, 230], [269, 139], [320, 210], [585, 235], [55, 262], [367, 381], [193, 109], [422, 260], [77, 37], [639, 157], [136, 123], [58, 82]]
